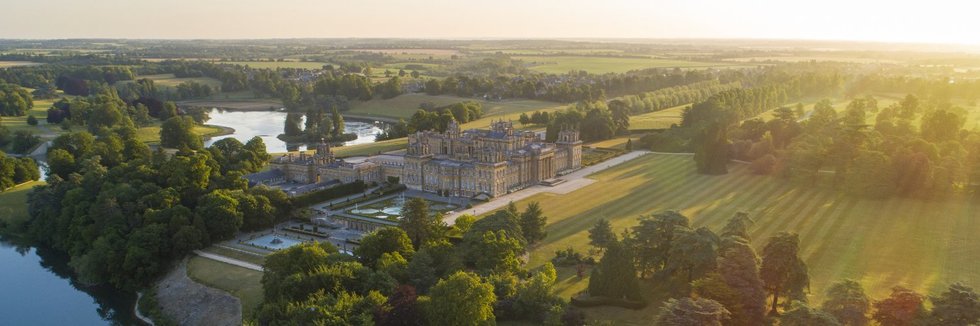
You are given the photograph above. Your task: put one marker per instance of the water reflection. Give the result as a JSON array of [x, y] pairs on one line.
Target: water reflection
[[38, 289], [269, 124]]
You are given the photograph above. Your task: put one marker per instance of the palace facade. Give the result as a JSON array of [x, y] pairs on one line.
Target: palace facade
[[467, 163]]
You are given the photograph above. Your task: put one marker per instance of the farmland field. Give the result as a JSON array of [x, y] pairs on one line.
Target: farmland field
[[658, 119], [402, 107], [924, 245], [277, 64], [169, 81], [8, 64], [564, 64]]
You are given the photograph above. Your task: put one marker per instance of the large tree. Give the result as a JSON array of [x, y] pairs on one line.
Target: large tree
[[615, 275], [693, 253], [461, 299], [782, 269], [651, 240], [738, 266], [532, 222], [601, 234], [178, 132], [419, 224], [903, 307], [381, 241], [959, 305], [847, 302]]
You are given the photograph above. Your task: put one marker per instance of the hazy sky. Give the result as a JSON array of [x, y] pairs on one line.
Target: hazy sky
[[940, 21]]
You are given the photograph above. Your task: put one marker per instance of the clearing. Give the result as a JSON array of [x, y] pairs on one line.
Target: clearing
[[605, 64], [243, 283]]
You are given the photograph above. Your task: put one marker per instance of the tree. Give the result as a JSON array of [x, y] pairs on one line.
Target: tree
[[738, 226], [60, 163], [402, 309], [533, 222], [219, 210], [847, 302], [420, 226], [381, 241], [692, 312], [803, 315], [601, 234], [461, 299], [959, 305], [178, 132], [903, 307], [15, 101], [496, 252], [782, 269], [31, 120], [615, 275], [651, 240], [941, 125], [693, 252], [738, 267], [535, 297]]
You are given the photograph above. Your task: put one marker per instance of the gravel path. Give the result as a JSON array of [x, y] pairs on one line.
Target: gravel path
[[189, 303], [229, 260]]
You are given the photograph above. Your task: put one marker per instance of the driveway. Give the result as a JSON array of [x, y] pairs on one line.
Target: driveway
[[573, 181]]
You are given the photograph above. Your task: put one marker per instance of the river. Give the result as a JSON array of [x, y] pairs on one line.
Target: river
[[36, 289], [36, 285], [269, 124]]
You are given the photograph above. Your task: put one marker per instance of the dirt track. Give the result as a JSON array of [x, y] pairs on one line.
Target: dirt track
[[190, 303]]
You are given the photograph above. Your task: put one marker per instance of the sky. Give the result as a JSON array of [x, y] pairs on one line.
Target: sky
[[934, 21]]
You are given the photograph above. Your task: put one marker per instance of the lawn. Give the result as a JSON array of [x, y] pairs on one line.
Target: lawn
[[243, 283], [13, 202], [658, 120], [924, 245], [151, 134], [604, 64]]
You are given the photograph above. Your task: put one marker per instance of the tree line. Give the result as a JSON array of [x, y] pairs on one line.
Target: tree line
[[123, 213], [421, 273]]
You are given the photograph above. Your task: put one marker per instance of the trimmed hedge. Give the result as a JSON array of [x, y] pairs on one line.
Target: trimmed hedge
[[320, 196]]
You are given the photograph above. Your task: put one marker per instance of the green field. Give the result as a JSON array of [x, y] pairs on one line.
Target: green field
[[658, 120], [151, 134], [402, 107], [924, 245], [564, 64], [8, 64], [243, 283], [277, 64], [13, 202], [169, 81]]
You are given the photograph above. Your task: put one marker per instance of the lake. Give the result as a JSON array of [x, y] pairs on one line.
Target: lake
[[37, 289], [269, 124]]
